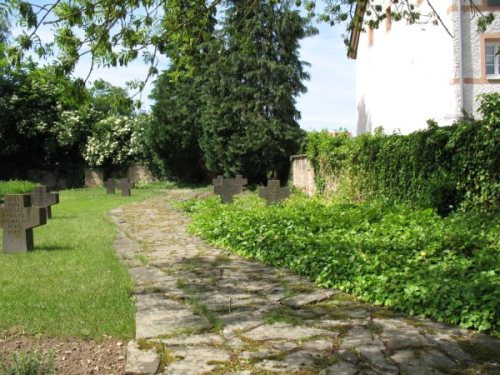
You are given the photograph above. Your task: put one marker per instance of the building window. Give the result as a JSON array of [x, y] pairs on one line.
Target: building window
[[492, 59], [493, 3]]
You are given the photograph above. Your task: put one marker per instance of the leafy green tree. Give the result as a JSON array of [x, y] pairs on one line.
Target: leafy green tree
[[31, 103], [46, 120], [253, 76], [107, 99]]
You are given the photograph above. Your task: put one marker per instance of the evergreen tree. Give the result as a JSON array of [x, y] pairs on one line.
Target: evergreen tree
[[175, 128], [253, 76], [175, 123]]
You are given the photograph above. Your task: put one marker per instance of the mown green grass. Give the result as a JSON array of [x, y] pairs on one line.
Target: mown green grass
[[72, 284]]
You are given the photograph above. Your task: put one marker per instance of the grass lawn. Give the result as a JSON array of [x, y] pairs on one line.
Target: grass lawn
[[72, 284]]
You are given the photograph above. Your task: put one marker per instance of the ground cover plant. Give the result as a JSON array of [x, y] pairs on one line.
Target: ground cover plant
[[73, 284], [30, 363], [412, 260]]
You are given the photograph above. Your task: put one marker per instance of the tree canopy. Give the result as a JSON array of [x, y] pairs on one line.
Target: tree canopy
[[115, 32]]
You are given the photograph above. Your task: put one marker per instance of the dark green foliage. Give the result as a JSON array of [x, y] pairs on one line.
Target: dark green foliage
[[15, 187], [31, 102], [411, 260], [173, 137], [107, 100], [228, 106], [253, 77], [441, 167], [175, 128], [46, 119]]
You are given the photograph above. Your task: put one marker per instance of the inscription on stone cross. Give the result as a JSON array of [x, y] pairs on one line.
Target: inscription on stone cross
[[273, 193], [17, 219], [227, 188], [42, 198], [110, 186], [125, 186]]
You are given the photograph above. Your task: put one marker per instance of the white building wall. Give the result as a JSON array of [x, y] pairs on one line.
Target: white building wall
[[403, 78], [475, 82], [410, 73]]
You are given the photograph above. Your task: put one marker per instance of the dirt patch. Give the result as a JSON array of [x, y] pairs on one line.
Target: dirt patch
[[71, 356]]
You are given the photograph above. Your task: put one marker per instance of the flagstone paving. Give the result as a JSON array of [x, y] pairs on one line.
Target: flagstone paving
[[203, 310]]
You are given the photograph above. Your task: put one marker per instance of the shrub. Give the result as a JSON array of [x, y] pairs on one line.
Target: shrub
[[157, 185], [446, 168], [115, 141], [30, 363], [15, 187], [389, 254]]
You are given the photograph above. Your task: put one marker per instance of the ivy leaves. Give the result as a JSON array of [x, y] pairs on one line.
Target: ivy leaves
[[392, 255], [446, 168]]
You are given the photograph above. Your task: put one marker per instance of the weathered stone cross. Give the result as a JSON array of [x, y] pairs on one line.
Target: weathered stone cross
[[42, 198], [226, 188], [18, 218], [110, 186], [273, 193], [125, 186]]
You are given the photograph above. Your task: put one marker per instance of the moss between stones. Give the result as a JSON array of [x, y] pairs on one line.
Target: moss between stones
[[283, 315], [198, 307], [479, 352], [166, 358]]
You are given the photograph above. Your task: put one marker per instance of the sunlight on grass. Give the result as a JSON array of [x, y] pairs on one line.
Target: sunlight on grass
[[73, 283]]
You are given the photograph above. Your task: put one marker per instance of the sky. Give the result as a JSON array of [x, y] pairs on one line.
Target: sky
[[330, 99]]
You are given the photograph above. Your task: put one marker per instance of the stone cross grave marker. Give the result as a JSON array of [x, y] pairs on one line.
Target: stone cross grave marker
[[273, 193], [110, 186], [18, 218], [226, 188], [40, 197], [125, 186]]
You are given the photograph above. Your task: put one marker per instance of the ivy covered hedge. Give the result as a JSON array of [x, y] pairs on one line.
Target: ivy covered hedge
[[15, 187], [411, 260], [446, 168]]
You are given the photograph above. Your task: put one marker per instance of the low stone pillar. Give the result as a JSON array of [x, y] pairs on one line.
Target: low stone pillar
[[303, 174]]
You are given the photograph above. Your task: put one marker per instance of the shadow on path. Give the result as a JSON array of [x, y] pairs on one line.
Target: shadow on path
[[203, 310]]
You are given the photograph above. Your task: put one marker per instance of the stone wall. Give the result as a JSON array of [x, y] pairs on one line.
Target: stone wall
[[137, 173], [93, 177], [53, 179], [303, 174]]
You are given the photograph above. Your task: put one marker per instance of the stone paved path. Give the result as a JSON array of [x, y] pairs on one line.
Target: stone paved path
[[203, 310]]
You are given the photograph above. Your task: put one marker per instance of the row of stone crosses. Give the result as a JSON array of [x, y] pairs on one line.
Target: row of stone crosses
[[23, 212], [227, 188], [124, 185]]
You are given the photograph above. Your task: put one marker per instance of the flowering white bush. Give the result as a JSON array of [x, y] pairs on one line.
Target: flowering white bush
[[68, 127], [116, 140]]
